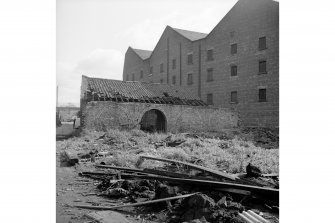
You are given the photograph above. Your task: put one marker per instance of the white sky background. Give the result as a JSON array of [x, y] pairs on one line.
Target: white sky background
[[93, 35]]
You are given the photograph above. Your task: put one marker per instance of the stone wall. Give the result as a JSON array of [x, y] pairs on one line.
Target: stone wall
[[179, 118]]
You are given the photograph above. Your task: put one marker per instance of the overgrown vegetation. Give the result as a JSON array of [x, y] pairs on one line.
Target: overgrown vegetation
[[230, 151]]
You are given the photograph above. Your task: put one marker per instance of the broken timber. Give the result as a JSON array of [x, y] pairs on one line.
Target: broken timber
[[134, 204], [126, 169], [190, 165], [214, 184]]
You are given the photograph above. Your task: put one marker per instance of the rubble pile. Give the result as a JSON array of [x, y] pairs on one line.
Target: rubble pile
[[184, 198]]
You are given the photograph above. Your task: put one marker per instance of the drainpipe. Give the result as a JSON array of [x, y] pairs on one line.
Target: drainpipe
[[199, 71], [168, 60], [180, 63]]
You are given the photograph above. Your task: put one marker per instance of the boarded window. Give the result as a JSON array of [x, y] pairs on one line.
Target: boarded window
[[233, 48], [262, 95], [210, 55], [233, 70], [262, 43], [151, 70], [173, 80], [209, 99], [233, 97], [161, 68], [133, 77], [210, 74], [190, 59], [141, 74], [262, 67], [189, 79], [174, 64], [162, 81]]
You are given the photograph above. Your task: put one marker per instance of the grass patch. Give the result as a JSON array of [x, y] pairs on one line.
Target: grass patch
[[230, 152]]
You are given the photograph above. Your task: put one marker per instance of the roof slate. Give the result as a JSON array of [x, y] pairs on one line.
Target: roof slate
[[130, 90], [144, 54], [191, 35]]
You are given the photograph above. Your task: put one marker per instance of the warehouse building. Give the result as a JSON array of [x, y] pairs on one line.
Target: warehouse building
[[235, 66]]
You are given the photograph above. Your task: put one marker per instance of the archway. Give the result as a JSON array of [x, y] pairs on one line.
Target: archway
[[153, 121]]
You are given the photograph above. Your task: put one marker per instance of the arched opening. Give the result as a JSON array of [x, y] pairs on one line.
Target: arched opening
[[153, 121]]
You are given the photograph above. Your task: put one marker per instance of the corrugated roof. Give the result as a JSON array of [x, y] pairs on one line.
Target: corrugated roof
[[141, 92], [191, 35], [144, 54]]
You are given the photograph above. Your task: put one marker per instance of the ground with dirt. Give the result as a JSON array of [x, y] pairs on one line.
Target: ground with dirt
[[231, 152]]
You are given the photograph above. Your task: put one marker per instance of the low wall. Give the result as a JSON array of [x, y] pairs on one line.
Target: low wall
[[179, 118]]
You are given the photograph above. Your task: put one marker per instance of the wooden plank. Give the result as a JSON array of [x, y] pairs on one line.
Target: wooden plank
[[126, 169], [134, 204], [213, 184], [166, 173], [190, 165], [107, 217], [234, 191]]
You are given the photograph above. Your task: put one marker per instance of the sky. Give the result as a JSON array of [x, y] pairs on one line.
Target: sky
[[93, 35]]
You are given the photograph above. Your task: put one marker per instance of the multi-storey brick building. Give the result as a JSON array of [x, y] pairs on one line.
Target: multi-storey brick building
[[236, 65]]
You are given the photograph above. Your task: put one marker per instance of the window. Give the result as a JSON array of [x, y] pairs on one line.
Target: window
[[262, 43], [173, 80], [189, 79], [209, 74], [174, 64], [233, 70], [209, 99], [141, 74], [162, 81], [262, 67], [233, 97], [233, 48], [210, 56], [127, 78], [232, 33], [161, 68], [133, 77], [262, 95], [151, 70], [189, 59]]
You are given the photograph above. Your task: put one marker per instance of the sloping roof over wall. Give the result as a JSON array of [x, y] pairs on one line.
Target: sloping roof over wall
[[144, 54], [191, 35], [133, 91]]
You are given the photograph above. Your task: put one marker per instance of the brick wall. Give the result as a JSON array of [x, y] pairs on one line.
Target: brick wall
[[243, 25], [179, 118]]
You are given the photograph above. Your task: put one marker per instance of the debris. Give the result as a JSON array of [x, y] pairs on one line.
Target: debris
[[135, 204], [252, 217], [190, 165], [269, 192], [71, 157], [116, 192], [107, 217], [201, 201], [253, 171], [175, 143]]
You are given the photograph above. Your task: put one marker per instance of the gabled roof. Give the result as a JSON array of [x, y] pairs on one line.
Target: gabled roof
[[191, 35], [144, 54], [133, 91]]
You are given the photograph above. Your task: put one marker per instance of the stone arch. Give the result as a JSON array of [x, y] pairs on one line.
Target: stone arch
[[153, 120]]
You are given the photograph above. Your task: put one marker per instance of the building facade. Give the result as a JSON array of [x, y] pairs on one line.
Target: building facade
[[107, 104], [234, 66]]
